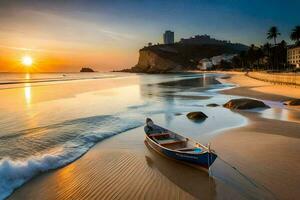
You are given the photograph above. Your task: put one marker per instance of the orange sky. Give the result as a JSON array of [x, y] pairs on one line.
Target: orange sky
[[58, 42], [50, 55], [56, 61]]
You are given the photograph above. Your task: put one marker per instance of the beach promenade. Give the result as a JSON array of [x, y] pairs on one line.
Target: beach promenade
[[252, 87], [292, 79]]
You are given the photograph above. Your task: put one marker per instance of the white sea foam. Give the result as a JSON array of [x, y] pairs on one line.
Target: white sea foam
[[14, 173]]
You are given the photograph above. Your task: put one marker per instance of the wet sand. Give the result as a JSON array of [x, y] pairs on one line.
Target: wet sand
[[267, 151], [122, 167]]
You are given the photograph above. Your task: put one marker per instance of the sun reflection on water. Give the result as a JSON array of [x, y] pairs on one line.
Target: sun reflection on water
[[27, 90], [27, 76], [27, 93]]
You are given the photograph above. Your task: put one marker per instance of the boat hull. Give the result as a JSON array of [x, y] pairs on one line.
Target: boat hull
[[201, 160]]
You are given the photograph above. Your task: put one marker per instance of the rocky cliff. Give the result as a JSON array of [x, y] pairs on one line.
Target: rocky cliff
[[157, 61], [177, 57]]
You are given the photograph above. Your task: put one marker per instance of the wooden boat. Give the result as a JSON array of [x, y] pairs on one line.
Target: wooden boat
[[178, 147]]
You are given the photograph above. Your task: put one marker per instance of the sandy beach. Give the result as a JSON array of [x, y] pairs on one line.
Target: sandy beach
[[258, 89], [149, 100], [263, 142], [258, 160]]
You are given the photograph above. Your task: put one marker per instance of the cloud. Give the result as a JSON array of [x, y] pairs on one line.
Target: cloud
[[118, 36], [20, 48], [74, 27], [36, 49]]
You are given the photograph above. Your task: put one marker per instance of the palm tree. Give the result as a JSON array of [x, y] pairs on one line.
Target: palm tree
[[267, 51], [295, 35], [273, 33], [259, 55], [266, 46], [251, 55], [243, 56], [282, 54]]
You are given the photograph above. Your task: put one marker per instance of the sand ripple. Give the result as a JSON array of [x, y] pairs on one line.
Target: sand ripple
[[113, 175]]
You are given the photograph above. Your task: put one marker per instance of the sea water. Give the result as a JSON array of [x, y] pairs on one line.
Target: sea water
[[49, 120]]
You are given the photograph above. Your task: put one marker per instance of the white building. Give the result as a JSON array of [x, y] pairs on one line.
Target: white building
[[293, 56], [205, 64], [216, 60], [168, 37]]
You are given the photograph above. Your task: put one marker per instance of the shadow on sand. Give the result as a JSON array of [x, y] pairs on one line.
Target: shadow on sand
[[221, 179]]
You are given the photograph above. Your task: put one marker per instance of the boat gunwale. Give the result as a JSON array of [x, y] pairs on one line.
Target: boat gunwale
[[196, 166], [161, 146]]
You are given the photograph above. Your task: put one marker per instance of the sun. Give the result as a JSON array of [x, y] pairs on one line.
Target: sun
[[27, 61]]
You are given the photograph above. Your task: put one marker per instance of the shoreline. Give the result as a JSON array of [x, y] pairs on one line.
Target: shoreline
[[281, 136], [267, 151], [251, 87], [139, 171]]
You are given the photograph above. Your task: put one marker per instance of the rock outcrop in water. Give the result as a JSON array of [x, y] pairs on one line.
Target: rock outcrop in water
[[178, 57], [212, 105], [86, 69], [293, 102], [245, 103], [196, 116]]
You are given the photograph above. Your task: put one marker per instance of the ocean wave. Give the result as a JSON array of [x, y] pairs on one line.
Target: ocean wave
[[9, 84], [16, 172], [61, 78]]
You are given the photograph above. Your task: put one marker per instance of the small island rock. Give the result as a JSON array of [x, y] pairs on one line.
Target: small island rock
[[245, 103], [196, 116], [86, 69]]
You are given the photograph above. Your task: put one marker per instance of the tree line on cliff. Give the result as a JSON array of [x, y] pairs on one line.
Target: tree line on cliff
[[267, 56]]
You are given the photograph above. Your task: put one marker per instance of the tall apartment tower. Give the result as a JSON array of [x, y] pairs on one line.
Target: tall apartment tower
[[169, 37]]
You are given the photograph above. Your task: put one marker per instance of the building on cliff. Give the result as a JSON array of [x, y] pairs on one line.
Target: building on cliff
[[168, 37], [205, 64], [216, 60], [203, 39], [165, 58]]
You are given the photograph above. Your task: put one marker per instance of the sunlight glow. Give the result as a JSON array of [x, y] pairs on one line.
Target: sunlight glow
[[27, 61]]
